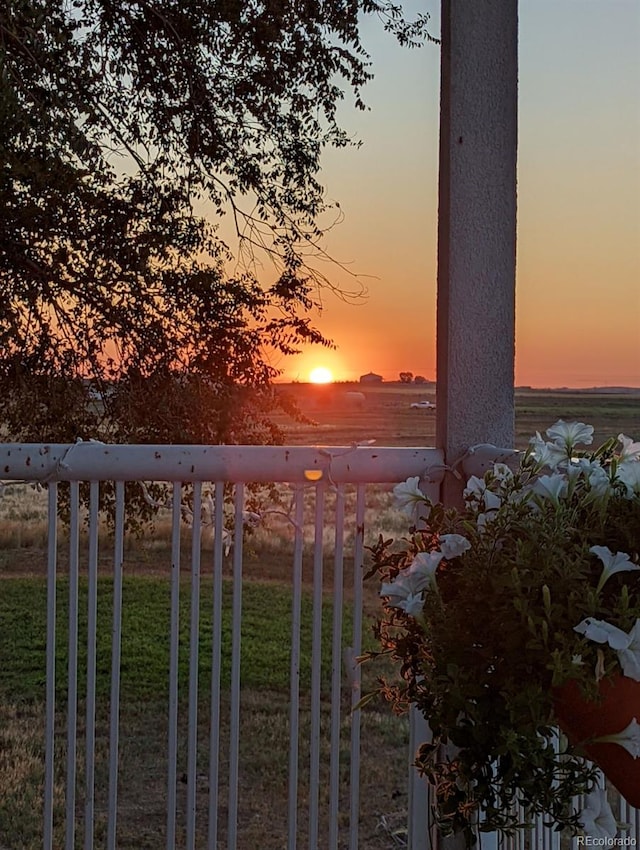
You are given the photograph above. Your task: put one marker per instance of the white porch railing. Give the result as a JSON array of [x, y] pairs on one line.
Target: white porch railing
[[331, 801], [330, 822]]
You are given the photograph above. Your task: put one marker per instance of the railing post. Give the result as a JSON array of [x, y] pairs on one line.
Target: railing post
[[418, 838], [476, 239], [476, 228]]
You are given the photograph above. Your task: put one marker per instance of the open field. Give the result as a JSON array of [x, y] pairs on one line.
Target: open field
[[264, 736], [386, 417]]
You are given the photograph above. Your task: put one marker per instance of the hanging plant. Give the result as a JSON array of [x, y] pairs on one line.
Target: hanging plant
[[516, 617]]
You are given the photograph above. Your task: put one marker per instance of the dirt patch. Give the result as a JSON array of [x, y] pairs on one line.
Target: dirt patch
[[263, 780]]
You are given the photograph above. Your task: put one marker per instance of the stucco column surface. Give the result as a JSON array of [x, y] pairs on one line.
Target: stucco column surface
[[476, 227]]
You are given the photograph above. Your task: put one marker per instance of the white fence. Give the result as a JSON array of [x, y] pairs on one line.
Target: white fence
[[323, 808], [329, 807]]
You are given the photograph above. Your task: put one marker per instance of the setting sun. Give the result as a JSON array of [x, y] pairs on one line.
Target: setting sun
[[321, 375]]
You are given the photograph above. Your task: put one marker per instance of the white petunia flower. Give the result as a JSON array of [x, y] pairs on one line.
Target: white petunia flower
[[398, 591], [423, 569], [491, 501], [600, 631], [412, 604], [570, 434], [618, 563], [629, 738], [629, 656], [476, 490], [402, 593], [453, 545], [577, 468], [409, 498], [502, 473], [596, 818], [553, 487], [408, 585], [625, 644], [629, 450], [629, 473], [598, 480], [586, 465], [546, 454]]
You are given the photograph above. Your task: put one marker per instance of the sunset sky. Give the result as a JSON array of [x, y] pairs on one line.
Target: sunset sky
[[578, 278]]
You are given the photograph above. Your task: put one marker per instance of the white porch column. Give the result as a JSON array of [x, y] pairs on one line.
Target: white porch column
[[476, 251], [476, 228]]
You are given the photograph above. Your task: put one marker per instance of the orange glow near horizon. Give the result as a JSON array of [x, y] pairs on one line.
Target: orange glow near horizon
[[578, 245], [321, 375]]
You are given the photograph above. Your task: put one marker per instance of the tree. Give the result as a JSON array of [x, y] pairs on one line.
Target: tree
[[126, 130], [406, 377]]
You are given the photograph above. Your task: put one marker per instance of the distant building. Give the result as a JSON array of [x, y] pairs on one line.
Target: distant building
[[371, 378]]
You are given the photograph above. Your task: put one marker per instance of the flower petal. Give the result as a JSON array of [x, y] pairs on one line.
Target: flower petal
[[629, 656], [597, 818], [613, 563], [421, 573], [600, 631], [453, 545], [569, 434], [552, 487], [546, 454], [630, 450], [629, 738], [409, 498], [412, 605], [629, 473]]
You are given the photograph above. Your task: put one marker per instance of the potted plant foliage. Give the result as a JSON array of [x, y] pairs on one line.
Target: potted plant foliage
[[516, 616]]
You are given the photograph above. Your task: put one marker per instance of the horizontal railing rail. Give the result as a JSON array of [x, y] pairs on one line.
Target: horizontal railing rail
[[94, 461]]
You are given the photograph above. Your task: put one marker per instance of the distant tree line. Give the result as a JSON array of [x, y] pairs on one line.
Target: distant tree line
[[408, 378]]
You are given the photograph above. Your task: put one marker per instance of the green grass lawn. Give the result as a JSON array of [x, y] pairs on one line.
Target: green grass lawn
[[266, 637], [264, 721]]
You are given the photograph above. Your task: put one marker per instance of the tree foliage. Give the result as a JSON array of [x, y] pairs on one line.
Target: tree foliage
[[127, 129]]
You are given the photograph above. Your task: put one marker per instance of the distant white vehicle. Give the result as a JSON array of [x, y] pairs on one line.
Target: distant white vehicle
[[424, 405]]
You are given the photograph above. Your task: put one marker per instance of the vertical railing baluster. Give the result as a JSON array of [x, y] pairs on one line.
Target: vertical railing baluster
[[493, 841], [72, 689], [192, 754], [336, 672], [234, 731], [418, 808], [354, 766], [50, 710], [174, 647], [92, 616], [216, 663], [316, 668], [116, 646], [294, 676]]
